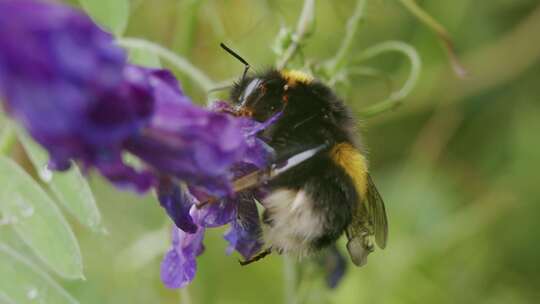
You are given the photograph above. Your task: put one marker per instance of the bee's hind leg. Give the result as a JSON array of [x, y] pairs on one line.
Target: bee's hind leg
[[256, 258]]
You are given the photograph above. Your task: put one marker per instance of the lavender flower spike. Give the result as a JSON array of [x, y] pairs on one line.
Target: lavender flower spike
[[186, 141], [70, 86], [64, 80]]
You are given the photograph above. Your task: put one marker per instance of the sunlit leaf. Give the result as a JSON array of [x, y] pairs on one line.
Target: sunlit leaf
[[111, 14], [9, 237], [38, 221], [23, 282], [70, 188]]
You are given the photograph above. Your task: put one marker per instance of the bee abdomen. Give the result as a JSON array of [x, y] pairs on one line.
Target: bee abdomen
[[313, 216]]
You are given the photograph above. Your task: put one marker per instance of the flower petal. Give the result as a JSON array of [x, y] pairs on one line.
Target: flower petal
[[244, 234], [335, 266], [177, 270], [69, 85], [218, 213], [179, 265], [191, 143], [125, 177], [177, 203]]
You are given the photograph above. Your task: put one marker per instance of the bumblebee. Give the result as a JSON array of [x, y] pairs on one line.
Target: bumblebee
[[310, 206]]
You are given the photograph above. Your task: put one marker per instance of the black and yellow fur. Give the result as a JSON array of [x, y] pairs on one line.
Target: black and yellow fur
[[334, 184]]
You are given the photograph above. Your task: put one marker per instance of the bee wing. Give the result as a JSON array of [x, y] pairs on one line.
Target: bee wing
[[377, 213], [368, 219]]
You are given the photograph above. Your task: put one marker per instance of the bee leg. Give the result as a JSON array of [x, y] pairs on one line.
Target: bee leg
[[256, 258], [211, 200]]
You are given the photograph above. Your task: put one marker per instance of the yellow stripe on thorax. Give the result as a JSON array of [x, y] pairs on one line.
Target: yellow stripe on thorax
[[295, 76], [354, 163]]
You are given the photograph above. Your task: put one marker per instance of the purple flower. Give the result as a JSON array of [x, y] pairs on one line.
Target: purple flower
[[255, 154], [179, 265], [69, 85], [244, 234], [177, 203], [218, 213], [237, 209], [258, 152], [334, 266], [66, 82], [187, 141]]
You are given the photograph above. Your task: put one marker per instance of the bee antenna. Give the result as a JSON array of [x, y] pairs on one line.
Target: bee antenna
[[235, 55]]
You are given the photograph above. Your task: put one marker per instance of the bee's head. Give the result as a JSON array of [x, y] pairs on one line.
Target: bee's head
[[295, 93], [292, 92], [263, 95]]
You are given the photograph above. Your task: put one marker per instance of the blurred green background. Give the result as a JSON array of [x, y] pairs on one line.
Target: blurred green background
[[457, 164]]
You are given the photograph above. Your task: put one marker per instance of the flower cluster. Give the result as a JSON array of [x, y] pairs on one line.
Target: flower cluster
[[179, 265], [73, 90], [237, 209]]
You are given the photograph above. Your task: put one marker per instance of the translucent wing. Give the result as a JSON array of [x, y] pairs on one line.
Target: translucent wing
[[369, 219], [377, 214]]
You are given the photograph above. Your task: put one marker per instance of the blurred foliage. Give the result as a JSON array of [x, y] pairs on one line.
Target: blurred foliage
[[457, 164]]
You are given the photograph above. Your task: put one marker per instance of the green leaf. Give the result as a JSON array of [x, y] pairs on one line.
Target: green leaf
[[111, 14], [38, 221], [9, 238], [23, 282], [70, 188]]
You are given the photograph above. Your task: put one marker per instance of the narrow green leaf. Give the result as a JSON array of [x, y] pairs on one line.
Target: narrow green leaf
[[70, 188], [111, 14], [23, 282], [38, 221]]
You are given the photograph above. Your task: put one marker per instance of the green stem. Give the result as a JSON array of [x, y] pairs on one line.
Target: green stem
[[290, 278], [441, 32], [7, 139], [179, 62], [305, 23], [352, 26], [371, 72], [185, 297], [190, 12], [395, 98]]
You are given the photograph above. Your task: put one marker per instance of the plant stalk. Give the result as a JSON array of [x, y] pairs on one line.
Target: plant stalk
[[290, 278], [305, 23], [352, 27], [179, 62], [441, 32]]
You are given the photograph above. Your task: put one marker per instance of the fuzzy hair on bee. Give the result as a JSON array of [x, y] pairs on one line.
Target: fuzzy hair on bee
[[312, 205]]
